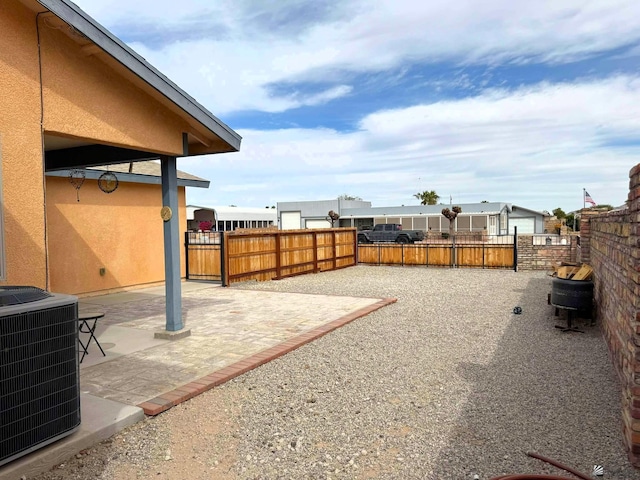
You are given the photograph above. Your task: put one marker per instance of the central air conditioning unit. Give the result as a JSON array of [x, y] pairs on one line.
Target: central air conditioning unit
[[39, 369]]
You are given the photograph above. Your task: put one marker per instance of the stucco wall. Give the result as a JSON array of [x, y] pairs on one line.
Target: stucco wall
[[84, 97], [121, 232], [21, 149]]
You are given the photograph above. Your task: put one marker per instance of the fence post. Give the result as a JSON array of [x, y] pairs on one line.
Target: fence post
[[453, 251], [356, 250], [278, 260], [333, 249], [186, 254], [315, 251], [223, 261], [515, 248], [426, 246]]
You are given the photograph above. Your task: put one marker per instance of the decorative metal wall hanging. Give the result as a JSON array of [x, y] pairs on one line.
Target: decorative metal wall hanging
[[166, 213], [76, 178], [108, 182]]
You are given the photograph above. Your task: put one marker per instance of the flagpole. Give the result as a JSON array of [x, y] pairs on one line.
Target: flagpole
[[584, 194]]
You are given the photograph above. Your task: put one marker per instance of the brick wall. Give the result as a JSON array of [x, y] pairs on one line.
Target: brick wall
[[552, 224], [544, 257], [610, 243]]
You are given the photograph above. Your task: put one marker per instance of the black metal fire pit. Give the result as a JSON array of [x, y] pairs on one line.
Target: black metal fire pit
[[573, 296]]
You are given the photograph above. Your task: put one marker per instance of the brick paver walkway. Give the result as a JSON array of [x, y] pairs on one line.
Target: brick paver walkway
[[232, 331]]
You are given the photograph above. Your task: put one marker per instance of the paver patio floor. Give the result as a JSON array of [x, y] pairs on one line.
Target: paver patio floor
[[227, 325]]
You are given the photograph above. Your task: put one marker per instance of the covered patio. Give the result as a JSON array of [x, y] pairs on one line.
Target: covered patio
[[103, 104]]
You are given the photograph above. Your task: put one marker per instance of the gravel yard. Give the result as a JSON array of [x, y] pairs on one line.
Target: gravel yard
[[446, 383]]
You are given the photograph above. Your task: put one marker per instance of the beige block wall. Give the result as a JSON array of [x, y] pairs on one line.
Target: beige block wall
[[121, 232]]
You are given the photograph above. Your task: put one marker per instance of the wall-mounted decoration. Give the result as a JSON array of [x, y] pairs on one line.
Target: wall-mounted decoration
[[76, 178], [108, 182]]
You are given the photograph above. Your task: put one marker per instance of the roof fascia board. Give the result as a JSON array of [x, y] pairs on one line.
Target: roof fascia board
[[78, 19], [197, 207], [131, 177], [405, 215], [529, 210]]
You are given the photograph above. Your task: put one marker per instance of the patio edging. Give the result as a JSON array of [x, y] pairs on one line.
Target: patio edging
[[181, 394]]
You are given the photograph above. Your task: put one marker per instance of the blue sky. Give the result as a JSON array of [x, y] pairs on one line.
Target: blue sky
[[519, 102]]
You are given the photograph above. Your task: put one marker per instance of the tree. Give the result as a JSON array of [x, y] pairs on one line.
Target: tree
[[427, 198], [333, 217], [559, 213], [451, 215], [344, 196], [484, 201]]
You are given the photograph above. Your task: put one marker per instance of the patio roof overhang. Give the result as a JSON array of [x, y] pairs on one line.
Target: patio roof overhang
[[151, 175], [90, 156], [205, 133]]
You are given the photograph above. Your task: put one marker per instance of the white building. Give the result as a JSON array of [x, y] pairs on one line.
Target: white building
[[494, 218], [231, 218]]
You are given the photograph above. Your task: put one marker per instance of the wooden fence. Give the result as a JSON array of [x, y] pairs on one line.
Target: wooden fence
[[496, 252], [285, 253], [267, 254], [238, 256]]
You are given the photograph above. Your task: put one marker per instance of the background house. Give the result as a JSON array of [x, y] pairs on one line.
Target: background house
[[313, 214], [231, 218], [495, 218]]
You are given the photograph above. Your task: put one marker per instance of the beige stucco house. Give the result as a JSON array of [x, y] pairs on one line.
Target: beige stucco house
[[100, 242], [73, 96]]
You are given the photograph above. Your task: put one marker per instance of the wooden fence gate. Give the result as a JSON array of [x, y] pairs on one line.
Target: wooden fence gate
[[204, 253]]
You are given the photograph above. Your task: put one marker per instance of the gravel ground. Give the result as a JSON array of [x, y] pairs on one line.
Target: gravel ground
[[444, 384]]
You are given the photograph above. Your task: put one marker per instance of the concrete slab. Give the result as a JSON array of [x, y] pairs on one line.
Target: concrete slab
[[117, 341], [172, 336], [101, 418], [116, 299], [140, 294]]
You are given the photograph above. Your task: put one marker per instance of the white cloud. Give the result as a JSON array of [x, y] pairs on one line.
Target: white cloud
[[536, 147], [328, 95], [231, 67]]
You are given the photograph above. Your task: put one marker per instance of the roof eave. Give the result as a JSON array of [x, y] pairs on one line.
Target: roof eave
[[132, 177], [74, 16]]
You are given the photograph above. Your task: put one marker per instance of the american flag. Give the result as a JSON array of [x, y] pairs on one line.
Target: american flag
[[588, 199]]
